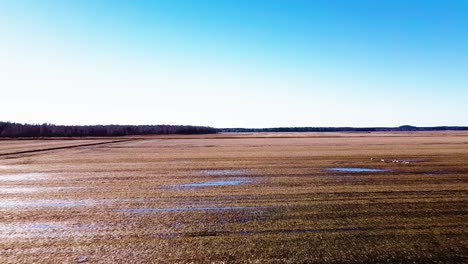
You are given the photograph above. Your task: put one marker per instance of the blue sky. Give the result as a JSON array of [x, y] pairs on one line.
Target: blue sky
[[235, 63]]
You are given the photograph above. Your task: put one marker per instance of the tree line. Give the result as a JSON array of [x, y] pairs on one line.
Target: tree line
[[13, 130], [344, 129]]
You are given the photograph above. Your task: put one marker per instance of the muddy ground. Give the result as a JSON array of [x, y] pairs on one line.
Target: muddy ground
[[236, 198]]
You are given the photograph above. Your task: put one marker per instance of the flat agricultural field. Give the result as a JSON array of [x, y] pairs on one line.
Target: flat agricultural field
[[236, 198]]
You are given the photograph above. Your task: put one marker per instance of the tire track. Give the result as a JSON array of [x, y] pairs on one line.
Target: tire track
[[65, 147]]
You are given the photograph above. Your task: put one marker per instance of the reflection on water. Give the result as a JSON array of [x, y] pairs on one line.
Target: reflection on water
[[17, 203], [43, 229], [223, 172], [17, 190], [23, 177], [214, 183]]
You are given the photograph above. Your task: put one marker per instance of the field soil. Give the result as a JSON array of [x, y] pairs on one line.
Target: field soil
[[236, 198]]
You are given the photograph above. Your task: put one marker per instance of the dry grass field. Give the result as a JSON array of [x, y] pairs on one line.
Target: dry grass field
[[236, 198]]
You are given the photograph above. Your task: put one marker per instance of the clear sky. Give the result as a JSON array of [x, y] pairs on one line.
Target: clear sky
[[235, 63]]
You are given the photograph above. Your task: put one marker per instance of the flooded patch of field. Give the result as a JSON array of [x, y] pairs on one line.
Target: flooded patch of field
[[214, 183], [182, 161], [346, 169], [17, 203], [43, 229], [23, 177], [13, 190], [29, 230], [223, 172], [411, 160], [17, 190], [23, 227]]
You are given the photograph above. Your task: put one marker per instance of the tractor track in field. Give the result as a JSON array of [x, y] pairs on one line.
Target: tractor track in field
[[65, 147]]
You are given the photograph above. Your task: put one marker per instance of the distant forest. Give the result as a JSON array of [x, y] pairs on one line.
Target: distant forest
[[343, 129], [15, 130]]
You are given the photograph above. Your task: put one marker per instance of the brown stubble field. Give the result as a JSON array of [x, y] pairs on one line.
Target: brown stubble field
[[263, 198]]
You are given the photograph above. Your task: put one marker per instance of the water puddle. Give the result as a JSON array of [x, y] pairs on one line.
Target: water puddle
[[17, 190], [16, 203], [23, 177], [356, 170], [182, 161], [407, 161], [42, 229], [414, 160], [13, 190], [214, 183], [223, 172]]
